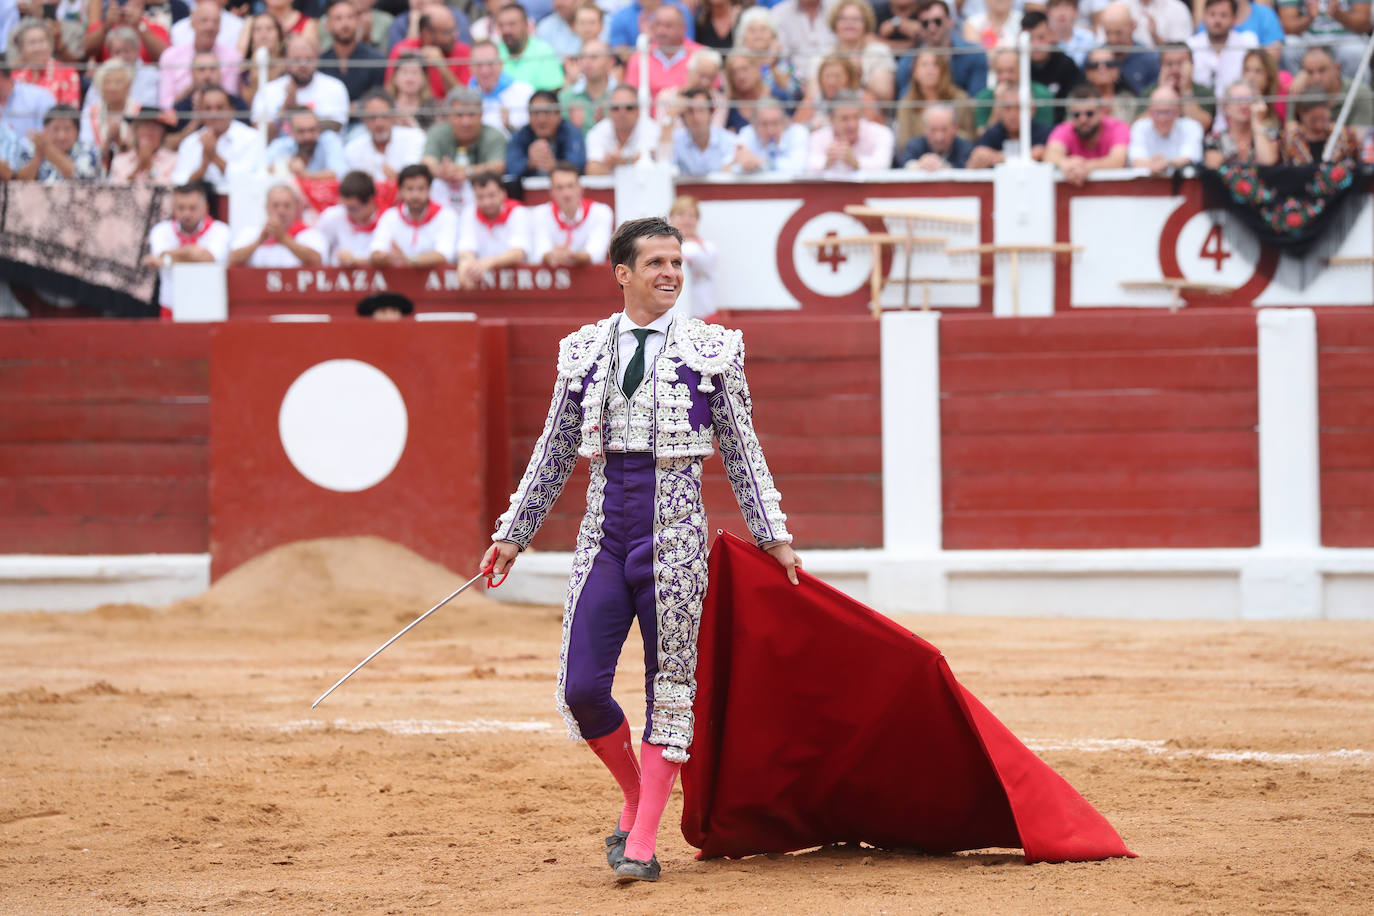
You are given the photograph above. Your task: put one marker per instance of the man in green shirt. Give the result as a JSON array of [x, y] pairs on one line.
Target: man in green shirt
[[527, 58], [584, 102], [460, 146], [1006, 67]]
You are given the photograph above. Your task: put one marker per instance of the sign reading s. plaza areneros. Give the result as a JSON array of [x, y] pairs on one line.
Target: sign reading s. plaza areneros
[[367, 280]]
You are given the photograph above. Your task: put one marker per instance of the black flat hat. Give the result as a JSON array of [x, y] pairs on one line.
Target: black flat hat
[[385, 301]]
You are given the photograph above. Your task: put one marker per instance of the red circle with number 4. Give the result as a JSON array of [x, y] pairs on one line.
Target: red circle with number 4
[[1215, 249], [806, 294]]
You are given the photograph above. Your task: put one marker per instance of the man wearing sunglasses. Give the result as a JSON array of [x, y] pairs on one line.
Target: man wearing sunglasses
[[619, 138], [1089, 140], [967, 63]]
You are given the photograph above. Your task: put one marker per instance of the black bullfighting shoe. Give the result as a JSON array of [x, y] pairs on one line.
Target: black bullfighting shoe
[[636, 870], [615, 846]]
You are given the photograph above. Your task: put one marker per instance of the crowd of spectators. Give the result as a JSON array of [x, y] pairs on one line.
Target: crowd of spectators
[[399, 131]]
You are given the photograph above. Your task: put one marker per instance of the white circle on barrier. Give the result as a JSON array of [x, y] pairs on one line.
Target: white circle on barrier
[[343, 425], [1214, 248], [832, 270]]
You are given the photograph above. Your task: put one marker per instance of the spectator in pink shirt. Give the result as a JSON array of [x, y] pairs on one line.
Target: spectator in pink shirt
[[1089, 139], [174, 65], [850, 142], [668, 54]]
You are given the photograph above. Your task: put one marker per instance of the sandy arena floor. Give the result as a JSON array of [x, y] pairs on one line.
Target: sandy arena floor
[[167, 761]]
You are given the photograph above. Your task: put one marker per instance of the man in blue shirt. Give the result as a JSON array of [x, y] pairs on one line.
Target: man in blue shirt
[[308, 151], [771, 145], [22, 106], [940, 148], [625, 24], [548, 139], [700, 147]]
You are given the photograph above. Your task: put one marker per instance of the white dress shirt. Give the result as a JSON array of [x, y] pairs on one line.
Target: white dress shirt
[[240, 146], [166, 236], [653, 344], [406, 146], [588, 232], [274, 254], [324, 95], [1219, 68], [601, 141], [477, 238], [342, 234], [438, 233], [1185, 139]]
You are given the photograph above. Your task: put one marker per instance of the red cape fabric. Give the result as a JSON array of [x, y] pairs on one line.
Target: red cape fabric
[[818, 720]]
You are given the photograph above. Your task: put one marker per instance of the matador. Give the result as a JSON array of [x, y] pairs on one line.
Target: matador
[[643, 395]]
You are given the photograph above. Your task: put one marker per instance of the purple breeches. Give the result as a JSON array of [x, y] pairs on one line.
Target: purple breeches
[[619, 588]]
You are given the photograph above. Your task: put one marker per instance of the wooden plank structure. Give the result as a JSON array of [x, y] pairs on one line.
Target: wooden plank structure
[[1178, 286], [1014, 251], [908, 241]]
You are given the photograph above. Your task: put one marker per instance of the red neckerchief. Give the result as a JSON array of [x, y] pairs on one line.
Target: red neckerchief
[[296, 228], [368, 226], [431, 211], [500, 220], [194, 237], [569, 228]]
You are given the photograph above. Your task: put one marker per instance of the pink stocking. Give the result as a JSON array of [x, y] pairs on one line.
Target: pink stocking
[[616, 751], [656, 785]]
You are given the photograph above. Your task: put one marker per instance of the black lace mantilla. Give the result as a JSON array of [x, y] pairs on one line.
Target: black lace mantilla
[[82, 240]]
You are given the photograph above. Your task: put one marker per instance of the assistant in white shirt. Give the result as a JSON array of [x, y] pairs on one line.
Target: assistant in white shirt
[[436, 231], [587, 231]]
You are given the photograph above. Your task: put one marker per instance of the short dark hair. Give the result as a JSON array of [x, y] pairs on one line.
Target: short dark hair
[[1052, 3], [514, 6], [1311, 104], [1211, 3], [358, 185], [418, 170], [221, 90], [483, 179], [1032, 19], [700, 92], [62, 113], [563, 165], [624, 247], [377, 92], [544, 95], [927, 4], [194, 187], [1175, 46], [1084, 91]]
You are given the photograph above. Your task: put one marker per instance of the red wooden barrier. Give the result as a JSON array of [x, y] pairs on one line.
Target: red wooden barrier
[[815, 386], [1096, 431], [575, 294], [1345, 380], [103, 434], [430, 500]]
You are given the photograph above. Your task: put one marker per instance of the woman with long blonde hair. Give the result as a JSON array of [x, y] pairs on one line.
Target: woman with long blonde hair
[[932, 84], [1268, 81], [261, 31], [833, 74], [409, 86]]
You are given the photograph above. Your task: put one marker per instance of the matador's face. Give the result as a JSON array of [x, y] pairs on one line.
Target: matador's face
[[653, 282]]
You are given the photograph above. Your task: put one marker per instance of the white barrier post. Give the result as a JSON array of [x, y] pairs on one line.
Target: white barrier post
[[202, 293], [913, 581], [1284, 582]]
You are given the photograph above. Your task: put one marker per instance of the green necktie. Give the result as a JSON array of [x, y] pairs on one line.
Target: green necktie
[[634, 372]]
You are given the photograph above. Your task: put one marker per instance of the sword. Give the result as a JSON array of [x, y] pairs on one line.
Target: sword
[[486, 571]]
